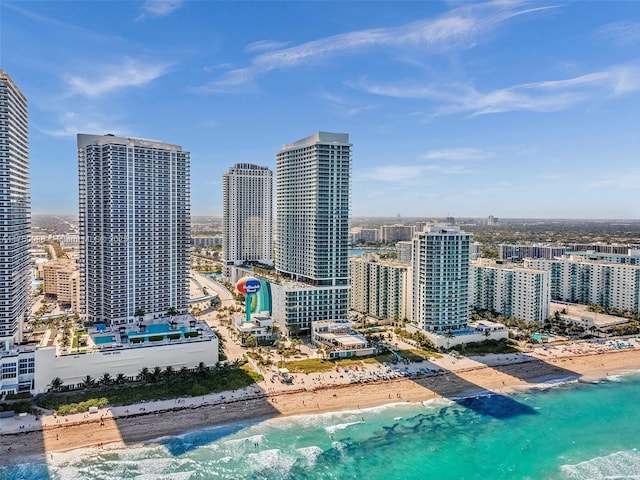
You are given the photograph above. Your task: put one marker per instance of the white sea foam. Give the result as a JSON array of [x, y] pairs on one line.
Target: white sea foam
[[310, 455], [166, 476], [274, 460], [617, 466], [555, 382], [339, 446], [341, 426]]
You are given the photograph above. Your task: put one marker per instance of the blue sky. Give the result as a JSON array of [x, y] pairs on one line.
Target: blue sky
[[514, 109]]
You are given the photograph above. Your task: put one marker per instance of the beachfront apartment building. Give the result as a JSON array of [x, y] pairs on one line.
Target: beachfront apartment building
[[509, 289], [379, 288], [17, 362], [440, 277], [15, 213], [134, 226], [576, 279], [247, 195], [313, 177]]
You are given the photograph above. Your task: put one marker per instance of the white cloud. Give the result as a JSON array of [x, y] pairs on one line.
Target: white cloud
[[159, 8], [130, 73], [413, 173], [621, 33], [457, 154], [459, 28], [544, 96], [72, 123], [265, 45]]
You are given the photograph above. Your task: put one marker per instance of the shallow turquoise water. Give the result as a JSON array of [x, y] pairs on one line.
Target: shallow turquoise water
[[573, 431]]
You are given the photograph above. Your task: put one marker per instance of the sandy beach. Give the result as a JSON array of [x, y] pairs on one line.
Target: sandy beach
[[126, 426]]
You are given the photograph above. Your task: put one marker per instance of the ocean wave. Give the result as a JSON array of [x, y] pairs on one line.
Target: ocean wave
[[341, 426], [309, 455], [274, 460], [619, 465], [556, 382]]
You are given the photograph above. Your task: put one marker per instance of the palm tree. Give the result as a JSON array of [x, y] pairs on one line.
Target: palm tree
[[144, 374], [120, 379], [156, 374], [487, 333], [202, 368], [88, 382], [295, 343], [449, 336], [56, 384], [106, 379], [169, 372], [251, 342], [184, 371]]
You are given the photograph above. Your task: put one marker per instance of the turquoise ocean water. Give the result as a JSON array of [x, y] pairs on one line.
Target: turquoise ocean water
[[570, 431]]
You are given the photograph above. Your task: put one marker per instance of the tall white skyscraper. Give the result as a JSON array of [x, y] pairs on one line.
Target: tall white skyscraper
[[15, 268], [312, 229], [440, 261], [247, 192], [134, 228]]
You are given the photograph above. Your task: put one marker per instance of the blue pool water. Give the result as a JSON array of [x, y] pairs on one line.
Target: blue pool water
[[103, 340], [538, 337]]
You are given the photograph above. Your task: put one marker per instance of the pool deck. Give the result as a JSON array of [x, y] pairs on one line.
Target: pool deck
[[183, 325]]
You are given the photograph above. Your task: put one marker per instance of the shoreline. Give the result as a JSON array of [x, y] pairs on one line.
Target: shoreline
[[471, 378]]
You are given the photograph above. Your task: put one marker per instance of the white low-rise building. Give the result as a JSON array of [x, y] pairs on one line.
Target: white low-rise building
[[341, 340], [475, 332], [260, 326]]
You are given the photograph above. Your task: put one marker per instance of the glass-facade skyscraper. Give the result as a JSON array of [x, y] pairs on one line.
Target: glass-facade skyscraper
[[247, 192], [15, 203], [313, 177], [134, 228]]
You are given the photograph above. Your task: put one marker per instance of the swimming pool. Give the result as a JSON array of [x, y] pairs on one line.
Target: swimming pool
[[103, 340], [541, 338]]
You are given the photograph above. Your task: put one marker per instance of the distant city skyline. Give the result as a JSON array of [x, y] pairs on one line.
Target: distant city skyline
[[512, 109]]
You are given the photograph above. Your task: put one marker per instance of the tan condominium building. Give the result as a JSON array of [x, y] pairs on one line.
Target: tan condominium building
[[379, 287], [62, 280]]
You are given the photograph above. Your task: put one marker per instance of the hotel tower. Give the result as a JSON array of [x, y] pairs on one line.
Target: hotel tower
[[134, 228], [15, 267], [247, 216], [312, 230]]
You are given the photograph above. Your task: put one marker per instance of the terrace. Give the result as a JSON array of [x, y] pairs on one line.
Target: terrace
[[100, 337]]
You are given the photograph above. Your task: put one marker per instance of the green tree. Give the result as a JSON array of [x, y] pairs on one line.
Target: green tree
[[56, 384], [87, 382], [106, 379], [251, 342], [144, 374]]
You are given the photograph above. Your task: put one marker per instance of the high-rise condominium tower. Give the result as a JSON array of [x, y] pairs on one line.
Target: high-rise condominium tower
[[312, 228], [247, 215], [134, 228], [440, 261], [15, 269]]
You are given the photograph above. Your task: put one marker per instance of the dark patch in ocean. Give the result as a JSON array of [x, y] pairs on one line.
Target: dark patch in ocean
[[496, 406]]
